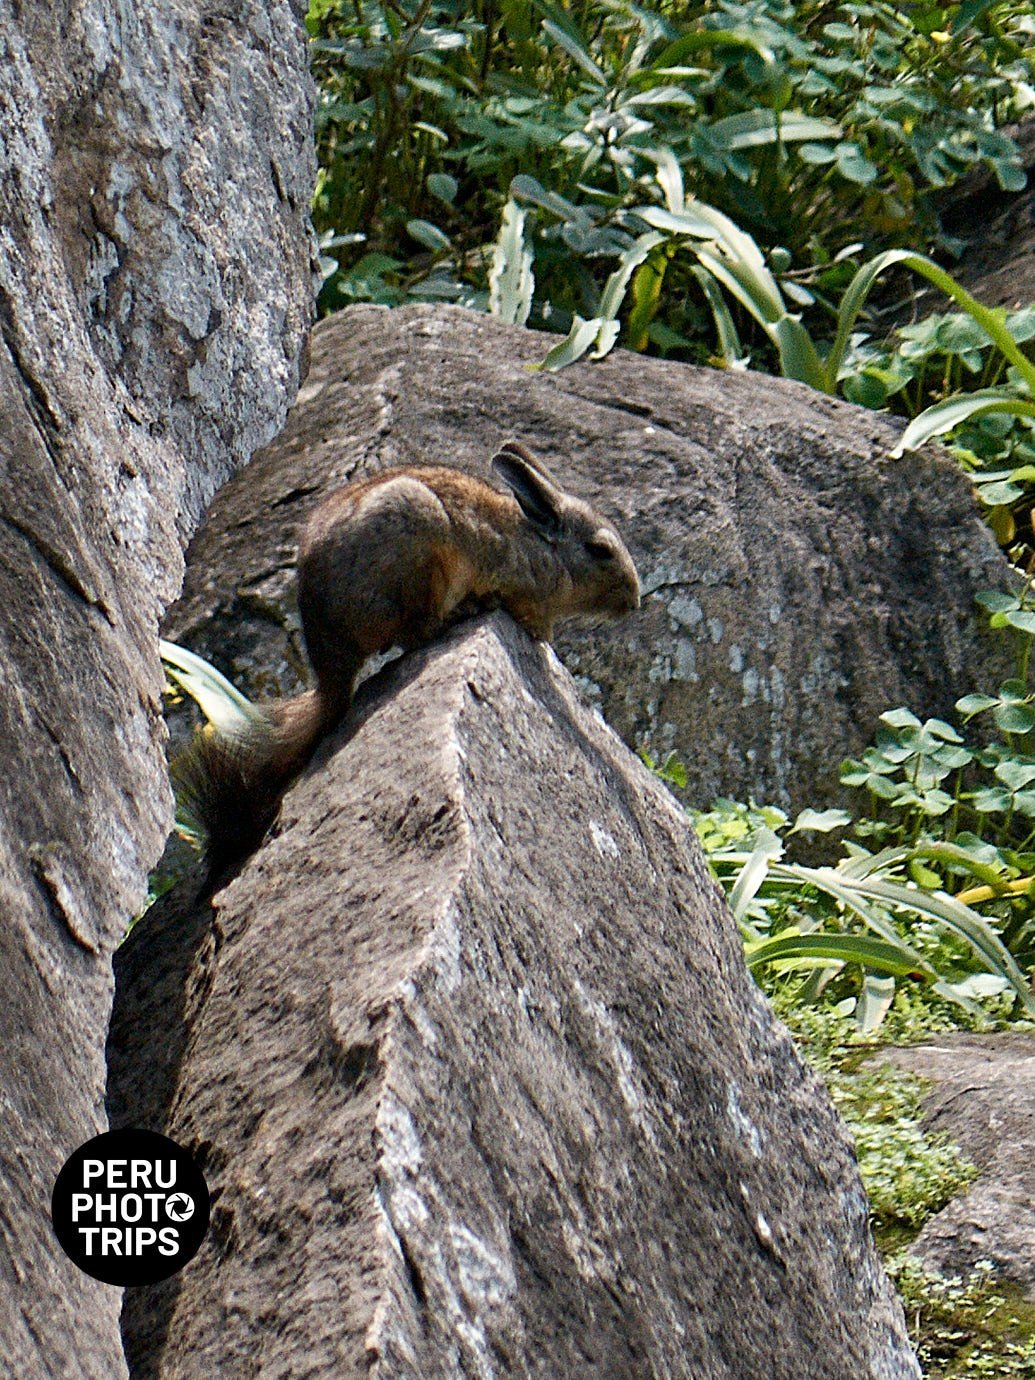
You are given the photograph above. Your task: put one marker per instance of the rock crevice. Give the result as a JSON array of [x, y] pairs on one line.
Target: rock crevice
[[492, 1090]]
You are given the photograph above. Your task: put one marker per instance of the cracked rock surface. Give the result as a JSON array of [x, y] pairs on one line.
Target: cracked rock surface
[[155, 294], [797, 581], [481, 1081]]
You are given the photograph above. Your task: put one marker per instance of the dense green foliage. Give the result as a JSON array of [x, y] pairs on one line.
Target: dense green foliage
[[945, 372], [815, 127], [966, 1328]]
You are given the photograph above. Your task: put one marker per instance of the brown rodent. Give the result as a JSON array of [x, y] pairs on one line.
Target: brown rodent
[[390, 561]]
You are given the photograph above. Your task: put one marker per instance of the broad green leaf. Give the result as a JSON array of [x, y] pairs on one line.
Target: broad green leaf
[[798, 357], [900, 718], [660, 95], [733, 356], [702, 39], [885, 789], [645, 293], [930, 802], [874, 1002], [753, 873], [997, 496], [817, 153], [980, 985], [602, 330], [991, 800], [960, 857], [529, 189], [755, 128], [924, 876], [1014, 718], [222, 704], [821, 821], [882, 861], [740, 254], [878, 954], [614, 289], [669, 176], [938, 728], [950, 912], [970, 705], [850, 892], [997, 600], [565, 39], [573, 346], [853, 164], [1015, 774], [1016, 690], [427, 234], [606, 337], [442, 186], [943, 416], [749, 288], [1010, 175], [511, 282], [437, 41]]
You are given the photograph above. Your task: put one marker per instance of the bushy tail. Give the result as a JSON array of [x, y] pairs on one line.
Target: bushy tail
[[233, 785]]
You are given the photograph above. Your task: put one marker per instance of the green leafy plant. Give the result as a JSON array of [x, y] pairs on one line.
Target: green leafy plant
[[945, 371], [942, 895], [940, 354], [868, 917], [909, 1171], [970, 1327], [677, 176], [965, 810], [511, 281], [807, 124], [732, 258]]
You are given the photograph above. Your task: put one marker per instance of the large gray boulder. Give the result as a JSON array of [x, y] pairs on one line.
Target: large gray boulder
[[480, 1080], [797, 581], [155, 294], [984, 1099]]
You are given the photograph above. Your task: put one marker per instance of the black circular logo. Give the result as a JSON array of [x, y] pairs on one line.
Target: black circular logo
[[130, 1207]]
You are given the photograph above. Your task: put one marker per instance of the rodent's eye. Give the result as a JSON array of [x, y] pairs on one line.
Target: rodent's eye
[[601, 548]]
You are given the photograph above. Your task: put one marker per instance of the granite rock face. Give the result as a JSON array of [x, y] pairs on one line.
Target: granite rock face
[[797, 582], [480, 1080], [155, 294], [984, 1099]]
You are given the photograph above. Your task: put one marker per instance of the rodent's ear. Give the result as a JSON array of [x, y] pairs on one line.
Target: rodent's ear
[[541, 498], [520, 452]]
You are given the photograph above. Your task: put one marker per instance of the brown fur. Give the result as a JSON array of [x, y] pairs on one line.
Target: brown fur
[[390, 561]]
